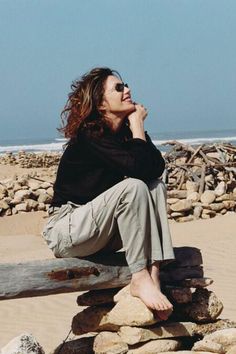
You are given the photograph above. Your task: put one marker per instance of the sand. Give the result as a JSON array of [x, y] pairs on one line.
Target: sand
[[49, 317]]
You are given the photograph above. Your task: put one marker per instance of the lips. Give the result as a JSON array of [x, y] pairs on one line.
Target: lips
[[127, 99]]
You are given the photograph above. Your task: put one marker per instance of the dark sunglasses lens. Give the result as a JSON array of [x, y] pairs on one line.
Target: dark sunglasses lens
[[120, 87]]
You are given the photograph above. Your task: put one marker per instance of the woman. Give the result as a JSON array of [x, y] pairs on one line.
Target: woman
[[107, 194]]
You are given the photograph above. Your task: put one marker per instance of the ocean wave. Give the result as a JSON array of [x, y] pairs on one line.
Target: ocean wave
[[58, 143], [198, 141], [32, 148]]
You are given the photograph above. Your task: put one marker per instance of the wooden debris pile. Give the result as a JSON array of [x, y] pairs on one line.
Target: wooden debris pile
[[123, 324], [201, 181]]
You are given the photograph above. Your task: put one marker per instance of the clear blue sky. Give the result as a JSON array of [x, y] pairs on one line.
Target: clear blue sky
[[178, 56]]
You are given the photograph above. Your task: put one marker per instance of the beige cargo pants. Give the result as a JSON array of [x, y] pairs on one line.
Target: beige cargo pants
[[131, 215]]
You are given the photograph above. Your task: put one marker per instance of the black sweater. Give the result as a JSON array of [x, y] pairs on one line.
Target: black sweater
[[90, 166]]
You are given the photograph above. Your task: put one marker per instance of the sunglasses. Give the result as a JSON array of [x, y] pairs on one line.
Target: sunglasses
[[120, 87]]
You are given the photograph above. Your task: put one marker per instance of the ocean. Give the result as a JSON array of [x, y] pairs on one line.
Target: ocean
[[55, 144]]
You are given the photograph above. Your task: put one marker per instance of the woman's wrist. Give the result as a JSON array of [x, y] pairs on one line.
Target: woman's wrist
[[138, 131]]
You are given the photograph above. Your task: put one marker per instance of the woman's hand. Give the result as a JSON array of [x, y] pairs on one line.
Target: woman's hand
[[136, 121], [139, 114]]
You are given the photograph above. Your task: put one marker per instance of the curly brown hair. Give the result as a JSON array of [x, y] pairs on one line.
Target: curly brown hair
[[81, 110]]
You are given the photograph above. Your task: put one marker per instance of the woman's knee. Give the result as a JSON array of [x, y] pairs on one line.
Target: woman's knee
[[137, 188]]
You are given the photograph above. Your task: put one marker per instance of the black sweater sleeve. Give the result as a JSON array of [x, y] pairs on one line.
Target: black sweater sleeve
[[132, 158]]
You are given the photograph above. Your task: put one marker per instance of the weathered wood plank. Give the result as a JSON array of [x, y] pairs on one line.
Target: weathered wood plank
[[61, 275]]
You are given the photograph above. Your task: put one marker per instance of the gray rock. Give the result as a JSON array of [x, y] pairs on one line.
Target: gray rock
[[220, 189], [23, 344], [197, 211], [208, 197]]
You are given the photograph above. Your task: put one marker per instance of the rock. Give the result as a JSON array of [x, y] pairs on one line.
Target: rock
[[186, 352], [4, 205], [224, 197], [179, 295], [109, 343], [209, 212], [209, 346], [202, 329], [223, 211], [197, 282], [22, 194], [45, 185], [15, 201], [44, 198], [191, 186], [216, 206], [17, 187], [176, 214], [41, 206], [232, 350], [229, 204], [23, 344], [220, 189], [32, 204], [122, 293], [204, 307], [33, 185], [156, 346], [197, 211], [193, 196], [81, 346], [185, 218], [133, 335], [97, 297], [50, 191], [92, 319], [175, 193], [181, 205], [8, 212], [172, 200], [131, 311], [208, 197], [225, 337], [22, 207]]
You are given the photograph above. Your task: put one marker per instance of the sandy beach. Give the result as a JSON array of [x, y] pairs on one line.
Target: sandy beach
[[49, 318]]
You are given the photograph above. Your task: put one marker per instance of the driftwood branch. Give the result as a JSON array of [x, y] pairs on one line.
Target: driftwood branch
[[54, 276]]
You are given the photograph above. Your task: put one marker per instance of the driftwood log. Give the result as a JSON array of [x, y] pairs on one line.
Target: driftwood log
[[44, 277]]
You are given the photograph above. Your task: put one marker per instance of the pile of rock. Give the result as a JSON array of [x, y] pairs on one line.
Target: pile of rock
[[25, 193], [201, 182], [125, 325], [30, 159]]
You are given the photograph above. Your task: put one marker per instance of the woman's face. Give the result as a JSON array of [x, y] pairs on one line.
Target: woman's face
[[117, 99]]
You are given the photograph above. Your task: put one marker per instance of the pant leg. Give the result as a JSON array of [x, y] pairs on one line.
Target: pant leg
[[127, 208], [158, 193]]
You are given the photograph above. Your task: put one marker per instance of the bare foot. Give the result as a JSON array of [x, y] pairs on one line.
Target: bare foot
[[142, 286]]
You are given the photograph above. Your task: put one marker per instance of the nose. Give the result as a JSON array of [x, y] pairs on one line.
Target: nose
[[127, 90]]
